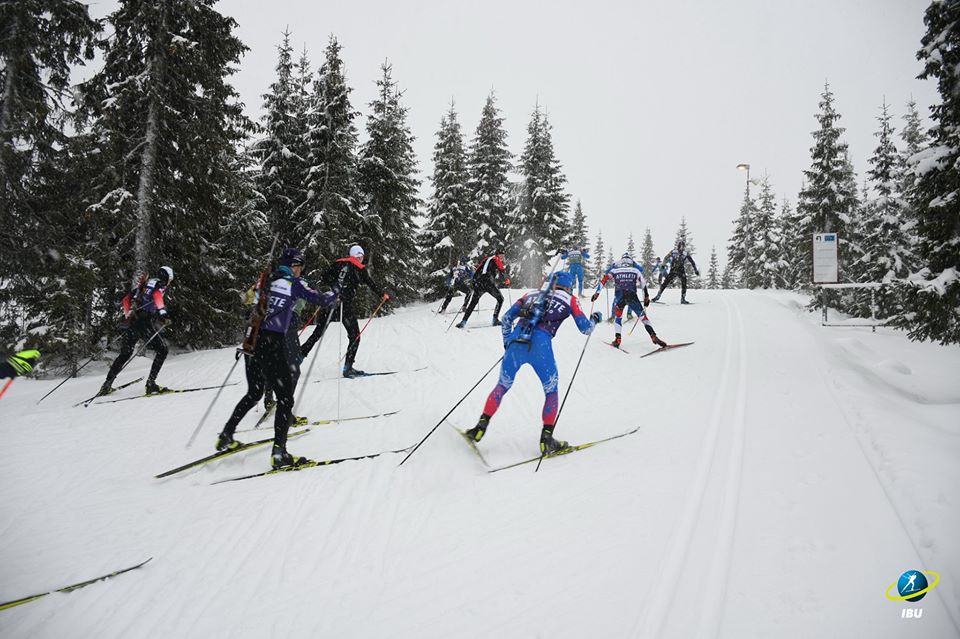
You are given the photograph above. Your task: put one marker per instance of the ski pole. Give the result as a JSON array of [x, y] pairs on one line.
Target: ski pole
[[495, 364], [6, 386], [69, 377], [455, 316], [140, 352], [326, 324], [206, 414], [309, 322], [567, 394], [634, 325]]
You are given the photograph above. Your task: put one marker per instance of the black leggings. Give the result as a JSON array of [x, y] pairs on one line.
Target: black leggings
[[271, 361], [141, 328], [483, 284], [457, 286], [349, 321], [672, 276]]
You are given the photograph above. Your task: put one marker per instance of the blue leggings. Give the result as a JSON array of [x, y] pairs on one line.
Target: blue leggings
[[577, 271], [540, 356]]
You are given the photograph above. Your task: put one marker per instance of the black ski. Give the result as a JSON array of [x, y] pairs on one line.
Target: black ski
[[172, 391], [86, 402], [17, 602], [225, 453], [333, 379], [565, 451], [321, 422], [666, 348], [312, 464]]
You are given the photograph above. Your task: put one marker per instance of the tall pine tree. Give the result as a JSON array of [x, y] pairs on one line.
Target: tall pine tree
[[388, 186], [329, 214], [169, 153], [489, 162], [447, 236], [713, 276], [648, 256], [765, 257], [933, 304], [740, 246]]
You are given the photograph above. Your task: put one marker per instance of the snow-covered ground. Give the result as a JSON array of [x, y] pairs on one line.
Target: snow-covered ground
[[784, 476]]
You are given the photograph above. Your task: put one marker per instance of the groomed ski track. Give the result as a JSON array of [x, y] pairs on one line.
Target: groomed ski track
[[784, 475]]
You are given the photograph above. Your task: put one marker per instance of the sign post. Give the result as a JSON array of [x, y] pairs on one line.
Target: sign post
[[826, 264]]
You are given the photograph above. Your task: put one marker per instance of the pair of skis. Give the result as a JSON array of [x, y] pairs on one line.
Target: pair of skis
[[653, 352], [169, 391], [566, 451], [317, 422]]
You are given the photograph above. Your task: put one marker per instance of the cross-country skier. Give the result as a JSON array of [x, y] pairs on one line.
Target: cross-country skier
[[532, 344], [19, 363], [677, 259], [146, 315], [627, 276], [485, 281], [273, 357], [575, 260], [659, 270], [352, 272], [459, 278]]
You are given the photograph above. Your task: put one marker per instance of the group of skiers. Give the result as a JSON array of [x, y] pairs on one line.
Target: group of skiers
[[274, 354]]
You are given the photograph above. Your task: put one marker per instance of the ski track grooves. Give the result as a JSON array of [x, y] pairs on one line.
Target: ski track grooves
[[675, 556], [716, 585]]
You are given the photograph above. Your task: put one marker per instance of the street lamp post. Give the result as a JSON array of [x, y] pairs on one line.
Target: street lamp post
[[746, 167]]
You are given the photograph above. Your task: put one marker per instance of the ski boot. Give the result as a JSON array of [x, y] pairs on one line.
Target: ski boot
[[461, 323], [683, 300], [350, 372], [656, 340], [616, 341], [549, 445], [226, 442], [656, 298], [496, 321], [476, 433], [154, 389], [298, 421], [107, 388], [280, 458]]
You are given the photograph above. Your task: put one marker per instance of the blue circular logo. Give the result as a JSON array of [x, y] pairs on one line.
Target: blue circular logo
[[910, 582]]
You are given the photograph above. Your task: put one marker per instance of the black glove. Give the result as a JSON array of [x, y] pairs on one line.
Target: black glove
[[593, 298], [24, 361], [646, 301], [596, 316]]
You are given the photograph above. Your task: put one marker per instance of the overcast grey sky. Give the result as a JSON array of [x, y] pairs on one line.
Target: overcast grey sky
[[652, 104]]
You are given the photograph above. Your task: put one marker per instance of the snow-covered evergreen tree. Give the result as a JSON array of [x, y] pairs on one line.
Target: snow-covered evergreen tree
[[170, 126], [599, 259], [729, 278], [631, 246], [764, 257], [828, 200], [578, 235], [933, 303], [539, 222], [489, 162], [648, 257], [713, 275], [329, 214], [388, 185], [887, 250], [447, 236], [280, 149], [784, 221], [740, 246], [40, 40]]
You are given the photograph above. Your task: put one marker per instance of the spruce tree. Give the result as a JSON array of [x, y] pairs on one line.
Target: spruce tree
[[785, 222], [40, 40], [740, 247], [828, 200], [729, 278], [329, 214], [489, 162], [713, 275], [887, 251], [631, 246], [933, 303], [168, 155], [539, 221], [386, 179], [446, 237], [764, 257], [578, 235], [599, 259], [648, 257]]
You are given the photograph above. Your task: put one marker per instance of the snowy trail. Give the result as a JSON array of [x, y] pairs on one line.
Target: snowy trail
[[783, 476]]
